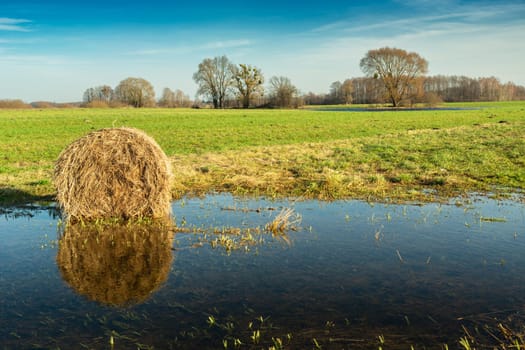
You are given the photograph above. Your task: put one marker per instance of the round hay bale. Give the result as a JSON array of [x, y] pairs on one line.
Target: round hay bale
[[116, 264], [113, 173]]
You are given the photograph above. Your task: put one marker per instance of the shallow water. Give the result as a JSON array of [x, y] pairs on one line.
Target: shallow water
[[413, 274], [415, 109]]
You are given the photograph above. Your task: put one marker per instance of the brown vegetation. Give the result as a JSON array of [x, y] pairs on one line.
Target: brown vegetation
[[15, 104], [43, 104], [113, 173], [96, 104]]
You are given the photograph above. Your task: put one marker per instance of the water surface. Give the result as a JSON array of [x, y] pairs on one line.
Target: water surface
[[413, 274], [392, 109]]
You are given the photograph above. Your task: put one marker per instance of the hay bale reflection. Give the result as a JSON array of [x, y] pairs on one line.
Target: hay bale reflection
[[115, 263]]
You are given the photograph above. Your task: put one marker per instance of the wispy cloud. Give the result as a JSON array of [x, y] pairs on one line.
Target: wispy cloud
[[14, 24], [213, 45], [459, 14], [227, 44], [37, 60]]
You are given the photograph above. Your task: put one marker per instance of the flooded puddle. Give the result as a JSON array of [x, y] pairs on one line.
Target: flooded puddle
[[390, 109], [352, 275]]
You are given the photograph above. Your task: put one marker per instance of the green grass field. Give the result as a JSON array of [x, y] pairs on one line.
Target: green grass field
[[308, 153]]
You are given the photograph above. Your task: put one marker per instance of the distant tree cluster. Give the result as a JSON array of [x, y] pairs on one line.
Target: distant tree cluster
[[135, 92], [396, 76], [225, 84], [103, 94], [465, 89], [431, 90], [221, 81]]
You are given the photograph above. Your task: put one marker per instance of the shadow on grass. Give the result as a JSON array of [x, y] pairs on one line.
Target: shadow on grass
[[13, 197], [16, 203]]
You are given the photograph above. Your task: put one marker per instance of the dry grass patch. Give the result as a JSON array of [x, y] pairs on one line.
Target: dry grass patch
[[408, 166]]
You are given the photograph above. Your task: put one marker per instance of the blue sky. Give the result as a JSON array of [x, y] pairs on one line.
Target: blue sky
[[54, 49]]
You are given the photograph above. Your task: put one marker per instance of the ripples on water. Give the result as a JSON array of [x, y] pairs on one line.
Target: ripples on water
[[413, 274]]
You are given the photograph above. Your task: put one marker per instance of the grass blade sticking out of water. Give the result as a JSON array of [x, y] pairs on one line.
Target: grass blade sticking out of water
[[285, 221], [492, 219]]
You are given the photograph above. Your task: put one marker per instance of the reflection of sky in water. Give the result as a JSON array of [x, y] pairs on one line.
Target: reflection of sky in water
[[408, 271]]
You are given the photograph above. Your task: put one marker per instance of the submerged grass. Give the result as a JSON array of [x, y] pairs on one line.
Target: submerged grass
[[280, 153], [261, 333], [231, 238]]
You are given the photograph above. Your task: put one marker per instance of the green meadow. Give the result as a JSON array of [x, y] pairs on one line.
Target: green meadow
[[309, 153]]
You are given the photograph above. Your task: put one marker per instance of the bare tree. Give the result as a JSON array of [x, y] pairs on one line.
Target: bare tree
[[89, 95], [215, 79], [340, 92], [248, 81], [136, 92], [282, 91], [490, 89], [173, 99], [347, 89], [398, 69], [103, 93], [368, 90], [181, 99], [167, 99], [335, 95]]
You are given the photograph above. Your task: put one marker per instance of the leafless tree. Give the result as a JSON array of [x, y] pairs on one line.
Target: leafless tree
[[347, 88], [181, 99], [103, 93], [368, 90], [172, 99], [398, 69], [136, 92], [340, 92], [282, 91], [215, 79], [249, 83], [167, 99], [335, 95], [490, 89]]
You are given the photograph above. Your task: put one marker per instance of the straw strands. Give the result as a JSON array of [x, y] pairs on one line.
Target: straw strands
[[113, 173]]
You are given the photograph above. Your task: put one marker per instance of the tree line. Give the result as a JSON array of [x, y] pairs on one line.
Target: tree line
[[135, 92], [392, 76], [221, 83], [436, 89]]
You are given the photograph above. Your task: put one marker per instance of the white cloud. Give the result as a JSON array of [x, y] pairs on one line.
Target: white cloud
[[459, 15], [36, 60], [227, 44], [213, 45], [13, 24]]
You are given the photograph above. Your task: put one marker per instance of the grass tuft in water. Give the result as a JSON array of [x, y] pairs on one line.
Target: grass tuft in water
[[285, 221]]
